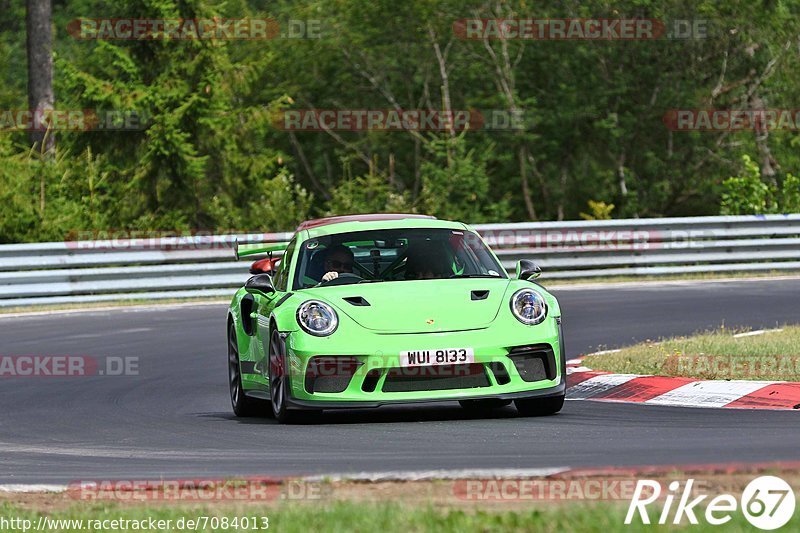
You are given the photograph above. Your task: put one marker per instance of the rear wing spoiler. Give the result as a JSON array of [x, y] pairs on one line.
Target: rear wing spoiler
[[244, 250]]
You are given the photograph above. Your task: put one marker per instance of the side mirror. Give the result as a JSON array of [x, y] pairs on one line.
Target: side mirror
[[260, 283], [265, 266], [528, 270]]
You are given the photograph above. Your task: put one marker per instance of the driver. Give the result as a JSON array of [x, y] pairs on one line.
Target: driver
[[338, 260]]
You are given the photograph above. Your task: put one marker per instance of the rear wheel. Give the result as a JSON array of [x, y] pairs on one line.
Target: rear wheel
[[242, 405], [540, 406], [484, 405]]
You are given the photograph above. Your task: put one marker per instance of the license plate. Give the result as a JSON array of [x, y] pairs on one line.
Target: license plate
[[445, 356]]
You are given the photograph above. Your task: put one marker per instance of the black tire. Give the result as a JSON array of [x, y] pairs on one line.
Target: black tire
[[540, 406], [484, 405], [243, 406]]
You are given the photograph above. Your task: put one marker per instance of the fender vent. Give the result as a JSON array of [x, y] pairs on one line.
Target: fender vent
[[358, 301], [246, 307]]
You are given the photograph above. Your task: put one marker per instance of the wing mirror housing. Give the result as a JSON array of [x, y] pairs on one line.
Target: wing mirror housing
[[528, 270], [265, 266], [259, 284]]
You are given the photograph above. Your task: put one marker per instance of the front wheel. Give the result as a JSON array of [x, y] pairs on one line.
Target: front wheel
[[277, 378], [540, 406]]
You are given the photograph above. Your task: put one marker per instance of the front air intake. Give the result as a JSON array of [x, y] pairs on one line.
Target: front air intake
[[330, 374], [535, 362], [439, 377]]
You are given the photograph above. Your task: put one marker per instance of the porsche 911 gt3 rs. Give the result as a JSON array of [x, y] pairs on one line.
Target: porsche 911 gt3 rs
[[371, 310]]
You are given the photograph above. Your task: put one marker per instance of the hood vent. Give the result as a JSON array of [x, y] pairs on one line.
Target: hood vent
[[480, 295], [358, 301]]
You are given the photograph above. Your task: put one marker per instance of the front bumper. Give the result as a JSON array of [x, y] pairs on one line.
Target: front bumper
[[372, 379]]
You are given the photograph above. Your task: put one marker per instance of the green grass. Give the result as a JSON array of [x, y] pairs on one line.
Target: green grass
[[346, 517], [714, 355]]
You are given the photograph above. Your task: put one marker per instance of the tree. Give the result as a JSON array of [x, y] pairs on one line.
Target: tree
[[40, 68]]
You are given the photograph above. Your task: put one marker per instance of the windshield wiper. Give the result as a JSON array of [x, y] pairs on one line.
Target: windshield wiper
[[372, 281], [474, 276]]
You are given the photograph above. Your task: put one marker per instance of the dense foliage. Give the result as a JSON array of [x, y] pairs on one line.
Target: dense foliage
[[210, 156]]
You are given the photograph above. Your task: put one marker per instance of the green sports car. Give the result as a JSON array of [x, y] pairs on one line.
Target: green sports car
[[371, 310]]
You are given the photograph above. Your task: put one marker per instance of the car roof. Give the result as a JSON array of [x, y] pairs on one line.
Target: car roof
[[317, 222], [350, 225]]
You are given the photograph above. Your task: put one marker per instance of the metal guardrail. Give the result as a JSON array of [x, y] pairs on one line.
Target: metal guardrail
[[203, 266]]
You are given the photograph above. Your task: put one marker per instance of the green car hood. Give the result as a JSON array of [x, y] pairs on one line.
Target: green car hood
[[423, 306]]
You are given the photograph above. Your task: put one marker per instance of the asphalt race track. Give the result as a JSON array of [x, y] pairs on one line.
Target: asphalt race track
[[174, 420]]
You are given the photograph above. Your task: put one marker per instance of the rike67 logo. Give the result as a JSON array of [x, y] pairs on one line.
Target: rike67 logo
[[767, 502]]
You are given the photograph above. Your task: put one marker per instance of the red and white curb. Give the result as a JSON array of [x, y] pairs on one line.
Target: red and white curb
[[586, 384]]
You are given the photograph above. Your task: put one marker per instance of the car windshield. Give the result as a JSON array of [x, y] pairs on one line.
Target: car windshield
[[393, 255]]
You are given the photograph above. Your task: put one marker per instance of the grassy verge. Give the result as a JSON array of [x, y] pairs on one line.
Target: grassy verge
[[349, 516], [589, 501], [720, 354]]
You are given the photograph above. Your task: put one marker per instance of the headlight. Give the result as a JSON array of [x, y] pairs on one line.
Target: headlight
[[317, 318], [528, 306]]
